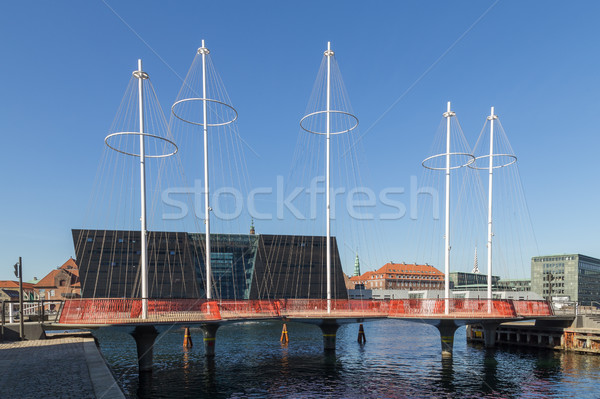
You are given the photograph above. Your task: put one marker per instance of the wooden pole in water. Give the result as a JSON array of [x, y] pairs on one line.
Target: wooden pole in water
[[187, 338], [362, 339], [284, 334]]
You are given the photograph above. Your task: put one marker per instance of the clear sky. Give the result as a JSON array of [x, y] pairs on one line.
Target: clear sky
[[65, 65]]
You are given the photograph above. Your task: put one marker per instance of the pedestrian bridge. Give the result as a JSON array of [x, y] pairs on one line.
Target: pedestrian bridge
[[445, 314], [110, 312]]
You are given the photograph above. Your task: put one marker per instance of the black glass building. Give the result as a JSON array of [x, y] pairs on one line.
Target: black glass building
[[243, 266]]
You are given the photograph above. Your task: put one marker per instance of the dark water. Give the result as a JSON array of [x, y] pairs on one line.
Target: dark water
[[400, 359]]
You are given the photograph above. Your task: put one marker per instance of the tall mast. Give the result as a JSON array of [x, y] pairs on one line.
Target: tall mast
[[328, 54], [187, 115], [203, 50], [144, 251], [448, 114], [343, 122], [153, 125], [491, 118]]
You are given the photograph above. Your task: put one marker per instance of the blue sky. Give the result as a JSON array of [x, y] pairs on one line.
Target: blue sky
[[65, 66]]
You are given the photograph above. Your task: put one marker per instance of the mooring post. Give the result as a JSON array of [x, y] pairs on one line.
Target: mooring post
[[362, 339], [284, 335], [187, 338], [329, 334], [210, 336], [447, 329], [144, 340]]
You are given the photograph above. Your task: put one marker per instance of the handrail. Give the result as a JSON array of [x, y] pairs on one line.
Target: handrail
[[85, 311]]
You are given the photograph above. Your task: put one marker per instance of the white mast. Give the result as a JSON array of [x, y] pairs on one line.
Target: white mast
[[490, 185], [448, 114], [110, 142], [328, 54], [312, 124], [203, 50], [179, 111], [141, 76]]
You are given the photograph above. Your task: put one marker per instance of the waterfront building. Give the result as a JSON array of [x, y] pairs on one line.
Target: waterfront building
[[61, 283], [8, 295], [522, 285], [470, 281], [244, 266], [573, 277], [29, 290], [400, 276]]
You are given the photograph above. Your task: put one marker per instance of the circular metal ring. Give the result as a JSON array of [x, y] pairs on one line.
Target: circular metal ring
[[511, 159], [333, 112], [201, 123], [106, 140], [464, 154]]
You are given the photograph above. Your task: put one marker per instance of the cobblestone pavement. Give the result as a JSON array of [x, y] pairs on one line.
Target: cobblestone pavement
[[52, 368]]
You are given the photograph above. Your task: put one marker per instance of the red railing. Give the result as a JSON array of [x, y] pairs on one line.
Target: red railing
[[457, 308], [250, 309], [129, 311], [533, 308], [337, 308]]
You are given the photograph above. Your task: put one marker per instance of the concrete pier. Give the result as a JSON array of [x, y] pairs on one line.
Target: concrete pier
[[144, 340], [329, 330], [489, 334], [447, 329], [210, 337]]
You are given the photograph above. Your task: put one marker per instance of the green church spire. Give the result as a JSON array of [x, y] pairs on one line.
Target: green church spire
[[356, 266]]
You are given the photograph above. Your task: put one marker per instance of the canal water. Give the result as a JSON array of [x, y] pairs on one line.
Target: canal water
[[400, 359]]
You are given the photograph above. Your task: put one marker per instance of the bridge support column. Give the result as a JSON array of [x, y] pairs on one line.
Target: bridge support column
[[210, 336], [329, 334], [489, 334], [144, 340], [447, 329]]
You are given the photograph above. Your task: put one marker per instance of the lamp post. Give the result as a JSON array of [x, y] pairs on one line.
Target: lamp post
[[19, 274]]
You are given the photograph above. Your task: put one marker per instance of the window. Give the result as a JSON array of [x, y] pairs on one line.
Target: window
[[62, 283]]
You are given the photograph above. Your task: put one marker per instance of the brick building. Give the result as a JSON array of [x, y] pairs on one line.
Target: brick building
[[61, 283], [400, 276]]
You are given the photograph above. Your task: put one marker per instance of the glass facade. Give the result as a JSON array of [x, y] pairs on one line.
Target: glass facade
[[572, 277], [233, 257], [471, 281]]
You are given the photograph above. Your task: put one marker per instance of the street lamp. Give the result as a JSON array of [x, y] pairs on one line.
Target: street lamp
[[19, 273]]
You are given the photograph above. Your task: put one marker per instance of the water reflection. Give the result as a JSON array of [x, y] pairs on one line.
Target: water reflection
[[447, 377], [400, 359], [489, 382]]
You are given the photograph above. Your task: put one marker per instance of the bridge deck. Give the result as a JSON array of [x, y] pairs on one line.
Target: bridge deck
[[91, 312]]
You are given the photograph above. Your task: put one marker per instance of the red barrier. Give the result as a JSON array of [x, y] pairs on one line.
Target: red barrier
[[249, 309], [128, 311], [337, 308], [457, 308], [533, 308]]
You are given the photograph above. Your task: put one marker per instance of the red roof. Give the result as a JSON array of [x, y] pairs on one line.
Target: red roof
[[69, 267], [364, 276], [70, 264], [425, 270], [399, 268], [15, 284]]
